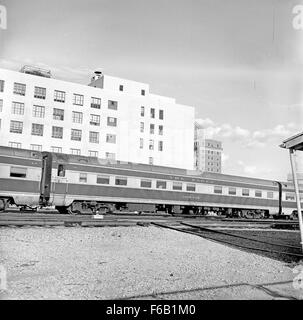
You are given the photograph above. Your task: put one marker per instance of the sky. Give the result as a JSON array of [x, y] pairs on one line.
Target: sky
[[238, 62]]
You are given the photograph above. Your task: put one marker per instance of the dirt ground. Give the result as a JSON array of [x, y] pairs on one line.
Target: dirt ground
[[137, 263]]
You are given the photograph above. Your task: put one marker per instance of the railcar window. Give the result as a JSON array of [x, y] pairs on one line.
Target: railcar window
[[217, 189], [102, 179], [161, 184], [232, 190], [61, 170], [245, 192], [290, 196], [258, 193], [121, 181], [270, 194], [83, 177], [146, 183], [177, 185], [190, 187], [18, 172]]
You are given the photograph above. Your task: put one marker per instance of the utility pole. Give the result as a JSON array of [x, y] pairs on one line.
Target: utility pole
[[294, 144]]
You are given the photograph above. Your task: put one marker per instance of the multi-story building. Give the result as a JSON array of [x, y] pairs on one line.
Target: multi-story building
[[299, 177], [207, 152], [109, 118]]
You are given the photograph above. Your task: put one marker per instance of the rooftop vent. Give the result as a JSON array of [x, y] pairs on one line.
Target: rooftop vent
[[36, 71], [97, 75]]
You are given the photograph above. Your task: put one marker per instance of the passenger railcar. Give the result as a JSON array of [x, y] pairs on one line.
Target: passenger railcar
[[78, 184]]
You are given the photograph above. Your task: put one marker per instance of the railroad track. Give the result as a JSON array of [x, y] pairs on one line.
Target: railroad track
[[287, 249], [52, 218]]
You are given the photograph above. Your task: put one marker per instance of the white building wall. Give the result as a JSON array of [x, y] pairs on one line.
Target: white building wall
[[178, 122]]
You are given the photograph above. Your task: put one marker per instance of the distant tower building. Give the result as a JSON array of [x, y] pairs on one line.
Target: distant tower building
[[207, 152]]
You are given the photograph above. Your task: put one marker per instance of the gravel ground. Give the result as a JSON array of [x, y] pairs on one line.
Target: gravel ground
[[122, 262]]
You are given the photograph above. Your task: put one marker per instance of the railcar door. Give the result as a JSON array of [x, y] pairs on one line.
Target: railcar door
[[59, 186], [46, 178]]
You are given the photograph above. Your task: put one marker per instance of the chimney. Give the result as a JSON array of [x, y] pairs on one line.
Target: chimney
[[97, 79]]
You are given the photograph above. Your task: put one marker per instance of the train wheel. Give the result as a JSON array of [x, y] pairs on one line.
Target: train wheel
[[63, 209], [3, 204], [249, 215]]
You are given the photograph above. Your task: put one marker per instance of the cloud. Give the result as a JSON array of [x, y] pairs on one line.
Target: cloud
[[257, 138], [205, 123]]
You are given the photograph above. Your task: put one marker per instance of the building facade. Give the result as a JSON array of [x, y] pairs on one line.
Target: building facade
[[109, 118], [207, 152]]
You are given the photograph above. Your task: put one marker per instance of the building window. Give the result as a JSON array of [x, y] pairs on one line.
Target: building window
[[141, 126], [39, 111], [77, 117], [270, 194], [75, 152], [217, 189], [290, 196], [18, 108], [152, 113], [94, 120], [36, 147], [76, 135], [102, 179], [40, 93], [57, 132], [83, 177], [120, 87], [56, 149], [93, 137], [142, 111], [151, 144], [19, 88], [1, 85], [120, 181], [95, 103], [245, 192], [160, 146], [141, 143], [58, 114], [177, 186], [161, 184], [144, 183], [78, 99], [16, 126], [161, 114], [111, 138], [93, 154], [16, 145], [61, 170], [59, 96], [258, 193], [113, 105], [142, 92], [112, 122], [18, 172], [1, 104], [161, 130], [232, 191], [110, 156], [190, 187], [37, 129], [151, 160], [151, 128]]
